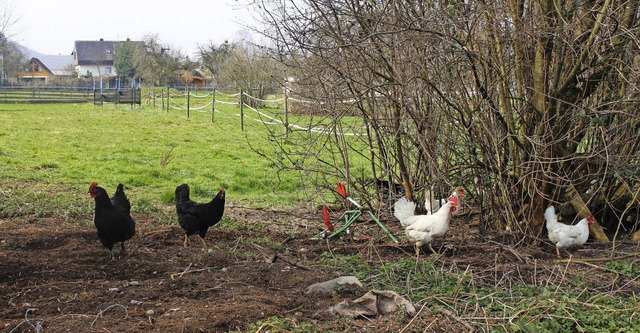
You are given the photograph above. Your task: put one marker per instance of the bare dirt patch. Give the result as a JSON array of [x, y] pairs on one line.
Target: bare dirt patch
[[56, 277]]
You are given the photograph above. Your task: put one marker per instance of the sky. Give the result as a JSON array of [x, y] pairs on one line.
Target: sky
[[52, 26]]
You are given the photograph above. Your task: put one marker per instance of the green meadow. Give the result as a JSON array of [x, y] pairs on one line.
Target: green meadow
[[50, 153]]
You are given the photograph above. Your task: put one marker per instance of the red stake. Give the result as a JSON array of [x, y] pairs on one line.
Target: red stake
[[342, 190], [327, 220]]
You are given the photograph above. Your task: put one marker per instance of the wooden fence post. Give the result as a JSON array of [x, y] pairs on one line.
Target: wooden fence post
[[241, 111], [188, 94], [286, 114], [213, 103], [168, 96]]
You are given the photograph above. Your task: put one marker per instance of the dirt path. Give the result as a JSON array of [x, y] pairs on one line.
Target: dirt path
[[56, 277]]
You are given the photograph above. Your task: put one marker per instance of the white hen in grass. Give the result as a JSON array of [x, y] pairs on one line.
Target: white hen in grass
[[422, 229], [563, 235]]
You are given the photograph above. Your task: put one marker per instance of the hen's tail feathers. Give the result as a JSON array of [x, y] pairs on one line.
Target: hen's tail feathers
[[120, 199], [550, 217], [404, 209], [119, 190]]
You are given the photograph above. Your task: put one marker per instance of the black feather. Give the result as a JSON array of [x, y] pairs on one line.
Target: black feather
[[198, 217], [112, 217], [120, 200]]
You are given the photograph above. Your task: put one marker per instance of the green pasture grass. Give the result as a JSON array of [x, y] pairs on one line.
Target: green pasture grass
[[59, 149]]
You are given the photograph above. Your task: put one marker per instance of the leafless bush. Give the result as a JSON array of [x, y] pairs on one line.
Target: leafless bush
[[524, 104]]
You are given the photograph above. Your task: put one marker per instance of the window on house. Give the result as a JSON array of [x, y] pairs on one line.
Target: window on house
[[36, 68], [107, 70]]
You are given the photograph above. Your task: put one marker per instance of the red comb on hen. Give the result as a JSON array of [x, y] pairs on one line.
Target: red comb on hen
[[591, 219], [327, 219], [91, 188]]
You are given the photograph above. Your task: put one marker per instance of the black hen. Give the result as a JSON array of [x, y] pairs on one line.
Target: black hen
[[112, 217], [197, 217], [119, 199]]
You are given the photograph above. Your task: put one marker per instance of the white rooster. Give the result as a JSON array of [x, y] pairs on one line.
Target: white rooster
[[563, 235], [422, 229], [432, 204]]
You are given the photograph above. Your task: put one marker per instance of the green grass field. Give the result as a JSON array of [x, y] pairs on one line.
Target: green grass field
[[60, 149]]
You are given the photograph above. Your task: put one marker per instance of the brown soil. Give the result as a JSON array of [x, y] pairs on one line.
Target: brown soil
[[56, 277]]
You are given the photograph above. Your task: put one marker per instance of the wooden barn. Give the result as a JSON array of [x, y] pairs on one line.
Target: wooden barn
[[43, 68]]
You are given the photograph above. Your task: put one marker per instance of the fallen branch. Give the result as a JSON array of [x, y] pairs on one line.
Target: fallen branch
[[508, 248], [186, 270], [611, 258], [580, 206], [107, 308], [275, 256], [454, 317], [584, 262], [413, 319]]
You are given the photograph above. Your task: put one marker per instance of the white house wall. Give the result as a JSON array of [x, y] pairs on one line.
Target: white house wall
[[96, 71]]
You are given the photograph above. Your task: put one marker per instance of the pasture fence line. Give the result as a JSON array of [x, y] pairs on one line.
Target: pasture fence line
[[68, 94], [118, 96], [45, 94], [205, 101]]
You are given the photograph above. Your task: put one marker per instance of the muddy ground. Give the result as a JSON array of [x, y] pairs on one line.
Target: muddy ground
[[56, 277]]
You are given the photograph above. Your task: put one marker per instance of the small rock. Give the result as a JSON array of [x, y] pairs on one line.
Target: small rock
[[328, 287], [114, 289], [134, 283], [134, 302]]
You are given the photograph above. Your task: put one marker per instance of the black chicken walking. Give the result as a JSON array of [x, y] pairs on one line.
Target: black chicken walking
[[112, 217], [197, 217]]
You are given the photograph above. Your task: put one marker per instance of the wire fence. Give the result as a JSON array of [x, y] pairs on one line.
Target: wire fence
[[205, 101], [184, 99]]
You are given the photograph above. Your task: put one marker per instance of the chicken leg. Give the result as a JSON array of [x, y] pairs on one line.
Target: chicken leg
[[204, 244], [186, 240], [431, 248]]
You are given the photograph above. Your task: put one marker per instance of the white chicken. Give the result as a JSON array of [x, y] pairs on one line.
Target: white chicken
[[563, 235], [432, 204], [422, 229], [404, 210]]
